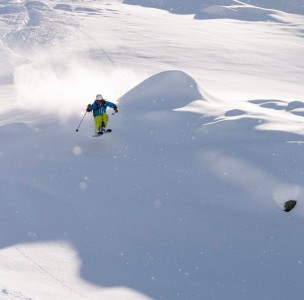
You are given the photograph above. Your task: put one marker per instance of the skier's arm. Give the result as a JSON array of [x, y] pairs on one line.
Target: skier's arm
[[91, 107], [112, 105]]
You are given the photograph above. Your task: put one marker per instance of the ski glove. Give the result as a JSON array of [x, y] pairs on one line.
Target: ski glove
[[89, 107], [116, 109]]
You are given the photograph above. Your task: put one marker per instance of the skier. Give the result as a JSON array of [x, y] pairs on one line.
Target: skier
[[99, 108]]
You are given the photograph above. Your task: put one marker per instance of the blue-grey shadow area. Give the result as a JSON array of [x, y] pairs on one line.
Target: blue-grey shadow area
[[289, 6], [172, 232], [167, 234], [152, 215], [71, 8], [259, 10], [295, 107]]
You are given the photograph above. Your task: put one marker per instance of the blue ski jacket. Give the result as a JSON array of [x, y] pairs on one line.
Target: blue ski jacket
[[99, 109]]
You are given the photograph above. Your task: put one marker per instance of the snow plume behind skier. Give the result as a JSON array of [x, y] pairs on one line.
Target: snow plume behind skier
[[99, 108]]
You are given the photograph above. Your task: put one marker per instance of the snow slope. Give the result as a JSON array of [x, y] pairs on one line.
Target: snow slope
[[184, 200]]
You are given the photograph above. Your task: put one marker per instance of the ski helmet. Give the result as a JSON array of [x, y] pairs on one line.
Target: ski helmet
[[99, 97]]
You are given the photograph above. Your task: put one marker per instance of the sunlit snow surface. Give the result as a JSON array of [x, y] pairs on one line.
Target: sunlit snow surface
[[184, 199]]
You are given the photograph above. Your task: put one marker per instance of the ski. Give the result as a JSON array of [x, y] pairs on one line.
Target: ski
[[102, 133]]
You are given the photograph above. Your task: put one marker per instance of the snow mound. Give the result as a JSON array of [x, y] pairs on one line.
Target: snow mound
[[163, 91], [149, 108]]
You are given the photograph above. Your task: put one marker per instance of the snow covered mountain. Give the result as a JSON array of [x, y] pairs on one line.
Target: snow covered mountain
[[185, 198]]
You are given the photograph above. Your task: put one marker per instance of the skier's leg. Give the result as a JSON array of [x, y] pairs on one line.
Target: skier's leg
[[98, 120], [105, 119]]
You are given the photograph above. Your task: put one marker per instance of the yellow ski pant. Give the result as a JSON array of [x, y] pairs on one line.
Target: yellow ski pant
[[101, 121]]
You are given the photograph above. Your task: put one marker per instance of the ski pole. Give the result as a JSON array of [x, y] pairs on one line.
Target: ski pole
[[81, 122]]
